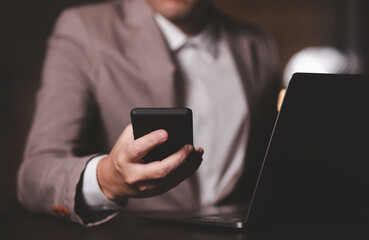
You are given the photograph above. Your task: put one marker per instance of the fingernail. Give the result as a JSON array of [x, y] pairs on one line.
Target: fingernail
[[162, 134], [189, 147]]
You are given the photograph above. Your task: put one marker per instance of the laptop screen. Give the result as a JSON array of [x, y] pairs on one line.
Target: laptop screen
[[316, 169]]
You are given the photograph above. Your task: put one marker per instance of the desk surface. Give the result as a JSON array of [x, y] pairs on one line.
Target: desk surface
[[19, 224]]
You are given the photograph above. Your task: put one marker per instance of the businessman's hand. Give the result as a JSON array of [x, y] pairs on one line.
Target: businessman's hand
[[123, 174]]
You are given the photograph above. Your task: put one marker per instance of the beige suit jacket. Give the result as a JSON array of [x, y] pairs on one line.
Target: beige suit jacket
[[102, 61]]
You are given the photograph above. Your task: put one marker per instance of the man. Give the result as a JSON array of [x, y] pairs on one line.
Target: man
[[103, 60]]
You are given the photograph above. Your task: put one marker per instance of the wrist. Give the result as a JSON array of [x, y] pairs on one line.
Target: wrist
[[90, 200], [108, 180]]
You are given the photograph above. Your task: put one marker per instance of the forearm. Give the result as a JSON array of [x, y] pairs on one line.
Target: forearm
[[47, 183], [58, 146]]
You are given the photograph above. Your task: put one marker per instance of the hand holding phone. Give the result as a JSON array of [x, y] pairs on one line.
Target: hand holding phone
[[122, 174]]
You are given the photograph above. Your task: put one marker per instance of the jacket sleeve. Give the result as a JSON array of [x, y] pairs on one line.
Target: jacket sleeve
[[55, 154]]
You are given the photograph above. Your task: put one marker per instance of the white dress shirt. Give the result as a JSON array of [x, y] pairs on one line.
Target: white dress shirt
[[216, 97], [220, 114]]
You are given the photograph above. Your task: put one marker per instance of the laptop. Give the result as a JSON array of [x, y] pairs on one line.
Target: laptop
[[316, 167]]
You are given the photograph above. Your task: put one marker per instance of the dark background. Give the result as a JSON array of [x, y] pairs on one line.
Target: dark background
[[25, 26]]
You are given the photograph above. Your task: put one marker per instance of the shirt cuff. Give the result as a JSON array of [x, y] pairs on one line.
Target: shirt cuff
[[92, 194]]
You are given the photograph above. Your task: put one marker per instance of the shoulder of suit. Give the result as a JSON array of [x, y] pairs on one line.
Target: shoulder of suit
[[97, 13]]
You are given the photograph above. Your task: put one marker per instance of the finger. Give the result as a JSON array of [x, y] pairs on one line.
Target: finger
[[148, 187], [153, 187], [190, 167], [161, 169], [137, 149], [175, 177]]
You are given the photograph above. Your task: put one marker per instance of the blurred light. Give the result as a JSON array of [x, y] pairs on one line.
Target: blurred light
[[318, 60]]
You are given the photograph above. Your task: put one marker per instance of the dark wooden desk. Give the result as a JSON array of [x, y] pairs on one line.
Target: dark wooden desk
[[19, 224]]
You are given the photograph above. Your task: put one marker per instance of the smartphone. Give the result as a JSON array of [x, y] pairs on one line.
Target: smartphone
[[176, 121]]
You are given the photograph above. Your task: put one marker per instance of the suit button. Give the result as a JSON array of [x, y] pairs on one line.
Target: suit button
[[60, 211]]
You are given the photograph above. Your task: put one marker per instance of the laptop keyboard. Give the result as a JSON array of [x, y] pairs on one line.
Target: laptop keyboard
[[236, 217]]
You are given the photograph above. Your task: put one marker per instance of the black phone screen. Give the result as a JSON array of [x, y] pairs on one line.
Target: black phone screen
[[176, 121]]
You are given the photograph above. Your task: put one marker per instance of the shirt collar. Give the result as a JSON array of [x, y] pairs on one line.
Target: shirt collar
[[206, 40]]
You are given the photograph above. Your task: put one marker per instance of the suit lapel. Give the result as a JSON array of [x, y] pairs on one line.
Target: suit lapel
[[155, 60], [245, 59], [242, 53]]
